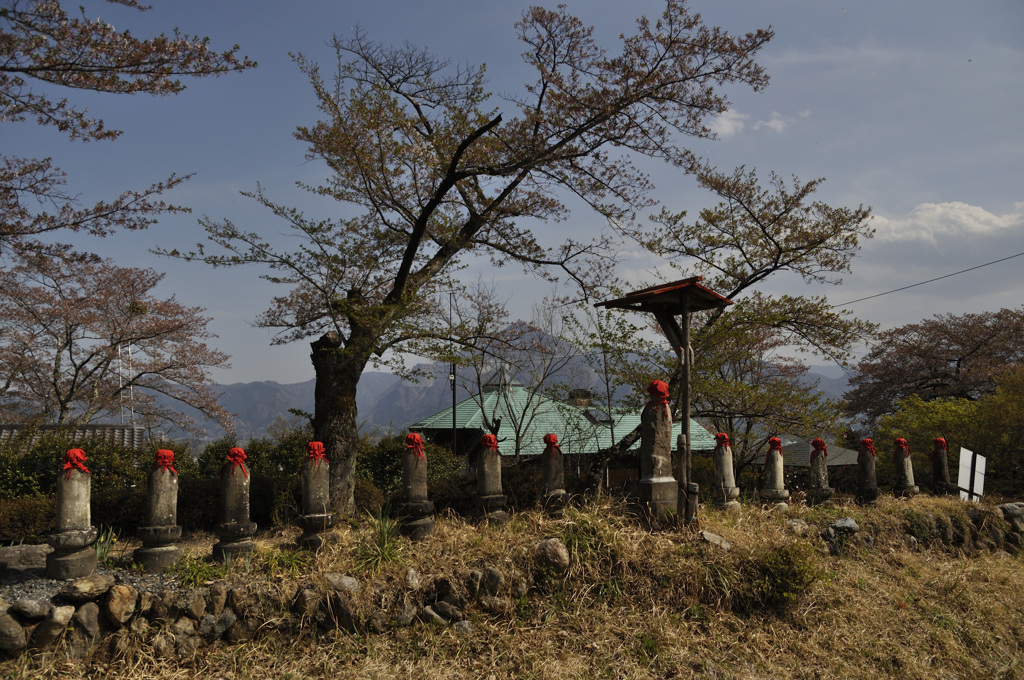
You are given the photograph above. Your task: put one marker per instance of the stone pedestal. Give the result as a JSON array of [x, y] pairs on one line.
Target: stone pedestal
[[316, 517], [158, 536], [490, 498], [941, 484], [867, 482], [73, 553], [553, 476], [725, 492], [658, 489], [774, 490], [819, 491], [416, 510], [158, 551], [904, 470], [235, 531]]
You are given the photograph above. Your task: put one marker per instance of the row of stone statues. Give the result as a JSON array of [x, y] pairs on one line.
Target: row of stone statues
[[74, 554], [658, 489], [819, 491]]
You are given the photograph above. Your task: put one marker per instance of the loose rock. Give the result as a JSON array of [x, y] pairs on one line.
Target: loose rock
[[716, 540], [192, 604], [473, 582], [495, 605], [306, 602], [52, 627], [447, 611], [492, 582], [12, 635], [120, 604], [163, 645], [798, 527], [405, 616], [31, 608], [845, 525], [1014, 516], [342, 583], [552, 555], [87, 588], [428, 615], [218, 597]]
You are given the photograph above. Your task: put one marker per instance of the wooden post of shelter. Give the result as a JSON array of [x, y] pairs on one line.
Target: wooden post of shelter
[[666, 302]]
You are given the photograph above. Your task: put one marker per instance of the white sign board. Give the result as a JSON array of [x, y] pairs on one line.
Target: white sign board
[[971, 479]]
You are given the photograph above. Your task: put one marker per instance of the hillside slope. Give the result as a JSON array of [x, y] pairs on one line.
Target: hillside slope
[[901, 597]]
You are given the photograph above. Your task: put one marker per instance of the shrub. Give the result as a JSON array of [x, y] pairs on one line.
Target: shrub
[[30, 463], [368, 498], [522, 484], [274, 501], [120, 509], [380, 462], [198, 503], [280, 456], [28, 519], [214, 456], [775, 577], [456, 493]]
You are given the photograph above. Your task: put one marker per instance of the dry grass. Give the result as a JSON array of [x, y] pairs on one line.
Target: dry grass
[[637, 604]]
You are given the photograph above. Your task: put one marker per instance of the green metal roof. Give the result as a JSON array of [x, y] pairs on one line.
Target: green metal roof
[[579, 428]]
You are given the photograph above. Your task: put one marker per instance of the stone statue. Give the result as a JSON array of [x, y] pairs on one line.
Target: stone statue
[[158, 551], [774, 489], [819, 491], [904, 470], [73, 554], [726, 492], [657, 488], [417, 510]]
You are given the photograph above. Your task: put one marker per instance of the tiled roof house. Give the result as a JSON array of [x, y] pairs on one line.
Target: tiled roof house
[[581, 427]]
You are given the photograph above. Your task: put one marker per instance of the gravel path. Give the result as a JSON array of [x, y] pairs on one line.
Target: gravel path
[[22, 569]]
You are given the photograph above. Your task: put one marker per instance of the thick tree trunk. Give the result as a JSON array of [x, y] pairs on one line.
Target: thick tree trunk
[[334, 420]]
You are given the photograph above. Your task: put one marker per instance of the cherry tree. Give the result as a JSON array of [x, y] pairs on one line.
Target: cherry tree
[[431, 169], [81, 340], [44, 49]]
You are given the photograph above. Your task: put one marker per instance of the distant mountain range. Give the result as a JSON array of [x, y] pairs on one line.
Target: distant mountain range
[[385, 401]]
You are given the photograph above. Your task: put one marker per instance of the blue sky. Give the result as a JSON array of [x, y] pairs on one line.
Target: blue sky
[[912, 108]]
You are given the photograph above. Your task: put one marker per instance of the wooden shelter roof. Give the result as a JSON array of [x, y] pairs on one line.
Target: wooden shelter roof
[[669, 297]]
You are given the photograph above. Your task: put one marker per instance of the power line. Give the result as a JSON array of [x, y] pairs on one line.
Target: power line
[[921, 283]]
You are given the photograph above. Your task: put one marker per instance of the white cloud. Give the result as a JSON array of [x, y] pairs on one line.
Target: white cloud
[[727, 124], [929, 222], [732, 122], [777, 122]]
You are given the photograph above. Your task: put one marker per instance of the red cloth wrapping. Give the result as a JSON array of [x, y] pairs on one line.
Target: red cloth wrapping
[[901, 448], [940, 445], [866, 444], [818, 446], [489, 441], [74, 459], [722, 439], [236, 456], [165, 459], [316, 452], [774, 444], [658, 390], [415, 442], [552, 445]]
